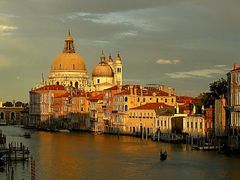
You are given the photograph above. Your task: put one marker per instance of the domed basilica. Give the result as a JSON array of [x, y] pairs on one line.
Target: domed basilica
[[69, 69]]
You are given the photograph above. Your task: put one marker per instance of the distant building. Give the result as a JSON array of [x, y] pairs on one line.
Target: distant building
[[233, 79], [208, 113], [11, 115], [220, 116]]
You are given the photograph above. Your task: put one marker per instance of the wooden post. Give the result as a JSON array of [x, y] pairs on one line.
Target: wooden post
[[32, 169], [12, 174]]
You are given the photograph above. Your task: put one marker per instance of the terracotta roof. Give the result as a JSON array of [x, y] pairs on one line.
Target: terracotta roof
[[96, 98], [153, 106], [49, 87]]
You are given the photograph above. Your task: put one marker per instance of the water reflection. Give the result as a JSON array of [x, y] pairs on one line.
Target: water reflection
[[88, 156]]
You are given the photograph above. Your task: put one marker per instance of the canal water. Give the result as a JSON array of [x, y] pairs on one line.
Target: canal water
[[76, 155]]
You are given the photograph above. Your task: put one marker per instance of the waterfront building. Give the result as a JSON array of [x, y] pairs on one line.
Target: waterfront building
[[220, 116], [11, 115], [194, 125], [208, 115], [233, 80], [132, 96], [142, 119], [97, 123], [40, 103]]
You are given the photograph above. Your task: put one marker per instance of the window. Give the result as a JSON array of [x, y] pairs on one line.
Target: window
[[82, 109], [98, 80], [161, 123], [157, 100], [187, 124], [126, 99], [2, 115], [118, 70], [166, 100], [126, 108], [200, 125], [191, 124], [165, 123], [57, 83], [60, 66], [143, 99], [138, 99], [172, 100], [73, 66], [196, 125], [158, 123]]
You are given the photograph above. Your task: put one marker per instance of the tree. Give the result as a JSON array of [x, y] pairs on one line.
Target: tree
[[18, 104], [218, 88], [8, 104]]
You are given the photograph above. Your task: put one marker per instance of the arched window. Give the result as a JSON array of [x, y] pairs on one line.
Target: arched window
[[73, 66], [57, 83], [13, 116], [71, 83], [126, 99], [76, 84], [143, 99], [2, 115], [157, 100], [60, 66]]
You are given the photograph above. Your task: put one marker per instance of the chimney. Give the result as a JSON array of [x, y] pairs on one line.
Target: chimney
[[162, 87], [169, 91], [135, 90], [235, 66], [1, 103], [141, 90], [131, 89], [177, 109]]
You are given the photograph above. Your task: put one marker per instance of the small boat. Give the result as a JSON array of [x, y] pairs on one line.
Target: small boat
[[64, 130], [163, 155], [27, 135]]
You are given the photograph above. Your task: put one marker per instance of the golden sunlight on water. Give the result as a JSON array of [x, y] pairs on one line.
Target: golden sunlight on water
[[63, 156]]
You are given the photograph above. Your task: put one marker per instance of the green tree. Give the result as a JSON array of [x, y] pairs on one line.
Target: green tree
[[218, 88], [18, 104], [8, 104]]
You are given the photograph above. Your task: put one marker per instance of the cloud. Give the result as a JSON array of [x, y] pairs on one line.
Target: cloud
[[201, 73], [127, 18], [6, 30], [168, 61]]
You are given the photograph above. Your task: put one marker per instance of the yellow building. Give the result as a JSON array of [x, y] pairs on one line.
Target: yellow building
[[134, 96], [68, 68], [142, 119], [194, 125]]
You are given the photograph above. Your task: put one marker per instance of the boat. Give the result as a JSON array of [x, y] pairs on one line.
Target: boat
[[27, 135], [163, 155], [64, 130]]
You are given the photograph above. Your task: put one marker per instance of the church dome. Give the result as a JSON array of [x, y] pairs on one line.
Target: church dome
[[102, 69], [69, 60]]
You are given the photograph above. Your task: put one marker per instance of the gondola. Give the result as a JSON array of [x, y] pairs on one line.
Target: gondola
[[27, 135], [163, 155]]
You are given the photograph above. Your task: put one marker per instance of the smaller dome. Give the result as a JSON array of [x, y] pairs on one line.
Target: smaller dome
[[102, 70]]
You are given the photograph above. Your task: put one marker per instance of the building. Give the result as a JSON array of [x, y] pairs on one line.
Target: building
[[40, 104], [143, 119], [233, 80], [208, 114], [132, 96], [220, 116], [194, 125]]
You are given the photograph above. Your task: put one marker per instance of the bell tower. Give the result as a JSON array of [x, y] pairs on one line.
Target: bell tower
[[118, 70]]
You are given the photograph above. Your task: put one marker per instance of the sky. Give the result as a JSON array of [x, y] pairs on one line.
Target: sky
[[185, 44]]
